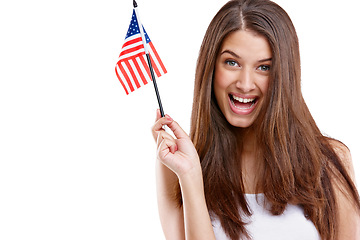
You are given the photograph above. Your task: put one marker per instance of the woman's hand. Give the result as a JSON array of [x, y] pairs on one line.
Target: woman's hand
[[179, 153], [178, 163]]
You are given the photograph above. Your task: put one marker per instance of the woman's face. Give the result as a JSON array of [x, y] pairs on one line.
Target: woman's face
[[242, 72]]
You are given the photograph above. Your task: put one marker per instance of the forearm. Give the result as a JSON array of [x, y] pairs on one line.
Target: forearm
[[171, 214], [196, 215], [178, 155]]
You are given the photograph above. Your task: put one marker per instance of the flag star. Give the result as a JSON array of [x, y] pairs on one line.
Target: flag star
[[130, 82]]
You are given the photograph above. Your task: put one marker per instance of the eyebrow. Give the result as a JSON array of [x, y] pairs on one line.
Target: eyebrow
[[231, 53], [265, 60], [237, 56]]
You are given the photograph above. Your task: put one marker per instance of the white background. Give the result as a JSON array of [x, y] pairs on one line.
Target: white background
[[77, 155]]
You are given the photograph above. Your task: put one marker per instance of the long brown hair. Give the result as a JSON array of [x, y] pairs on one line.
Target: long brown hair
[[299, 161]]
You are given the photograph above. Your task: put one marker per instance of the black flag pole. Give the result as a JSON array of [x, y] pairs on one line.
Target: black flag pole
[[148, 59]]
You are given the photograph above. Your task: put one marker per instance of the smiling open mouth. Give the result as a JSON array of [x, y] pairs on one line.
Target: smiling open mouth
[[242, 103]]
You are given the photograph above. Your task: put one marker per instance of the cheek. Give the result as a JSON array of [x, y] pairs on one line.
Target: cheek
[[220, 83], [263, 85]]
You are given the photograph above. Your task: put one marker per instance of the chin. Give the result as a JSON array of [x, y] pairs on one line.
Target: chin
[[240, 123]]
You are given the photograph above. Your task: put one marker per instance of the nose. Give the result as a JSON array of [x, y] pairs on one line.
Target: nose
[[245, 80]]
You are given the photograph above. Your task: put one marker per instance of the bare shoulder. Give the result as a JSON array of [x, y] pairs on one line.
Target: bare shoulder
[[343, 152], [348, 210]]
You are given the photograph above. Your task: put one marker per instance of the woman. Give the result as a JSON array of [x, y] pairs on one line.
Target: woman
[[255, 166]]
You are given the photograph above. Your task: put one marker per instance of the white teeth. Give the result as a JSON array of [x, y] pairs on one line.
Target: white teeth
[[243, 100], [242, 108]]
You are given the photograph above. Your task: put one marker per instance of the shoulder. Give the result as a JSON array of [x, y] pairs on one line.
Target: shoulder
[[347, 209], [344, 155]]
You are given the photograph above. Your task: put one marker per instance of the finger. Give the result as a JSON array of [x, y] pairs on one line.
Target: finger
[[177, 130], [164, 135], [161, 122], [163, 151], [166, 150], [169, 139], [158, 114], [158, 126]]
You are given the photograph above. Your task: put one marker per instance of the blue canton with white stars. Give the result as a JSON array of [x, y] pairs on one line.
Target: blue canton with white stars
[[134, 28]]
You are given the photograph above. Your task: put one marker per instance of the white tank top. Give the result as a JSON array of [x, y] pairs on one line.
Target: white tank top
[[262, 225]]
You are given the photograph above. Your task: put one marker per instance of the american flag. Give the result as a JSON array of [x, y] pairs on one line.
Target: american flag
[[131, 68]]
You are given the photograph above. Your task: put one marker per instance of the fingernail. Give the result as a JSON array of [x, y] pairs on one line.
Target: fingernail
[[168, 118]]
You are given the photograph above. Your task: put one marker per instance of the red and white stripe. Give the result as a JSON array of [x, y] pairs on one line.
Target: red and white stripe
[[132, 69]]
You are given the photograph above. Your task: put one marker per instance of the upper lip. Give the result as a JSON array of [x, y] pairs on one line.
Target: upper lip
[[244, 96]]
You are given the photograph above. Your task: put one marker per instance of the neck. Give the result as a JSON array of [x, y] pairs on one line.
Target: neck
[[250, 161], [247, 141]]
